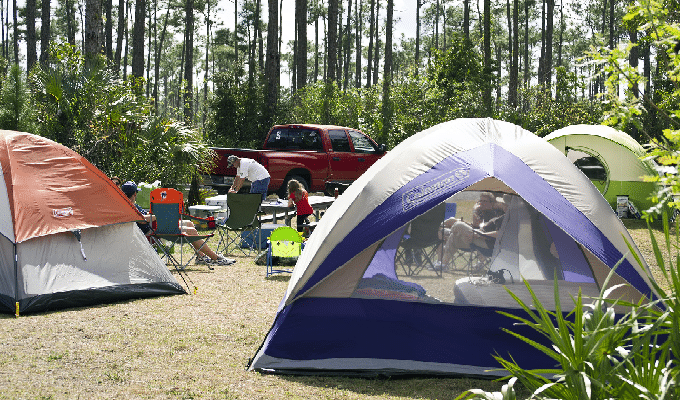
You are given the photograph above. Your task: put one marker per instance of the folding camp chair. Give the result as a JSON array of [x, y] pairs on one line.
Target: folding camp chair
[[475, 259], [422, 246], [284, 242], [166, 206], [243, 217]]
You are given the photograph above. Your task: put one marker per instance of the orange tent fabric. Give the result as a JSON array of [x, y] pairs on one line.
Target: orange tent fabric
[[49, 188]]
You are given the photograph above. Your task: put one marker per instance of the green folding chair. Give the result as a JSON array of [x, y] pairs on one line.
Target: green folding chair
[[243, 217], [284, 242]]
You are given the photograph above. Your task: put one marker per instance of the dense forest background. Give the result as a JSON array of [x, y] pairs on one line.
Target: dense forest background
[[152, 84]]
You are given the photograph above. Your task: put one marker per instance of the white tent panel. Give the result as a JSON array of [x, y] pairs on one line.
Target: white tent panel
[[7, 276], [6, 224], [116, 255]]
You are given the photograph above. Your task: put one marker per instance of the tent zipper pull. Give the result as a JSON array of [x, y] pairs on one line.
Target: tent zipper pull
[[76, 233]]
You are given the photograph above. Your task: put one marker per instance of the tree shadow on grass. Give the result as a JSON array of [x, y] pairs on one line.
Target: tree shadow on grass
[[279, 277]]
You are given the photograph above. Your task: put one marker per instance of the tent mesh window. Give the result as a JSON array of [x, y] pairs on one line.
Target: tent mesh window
[[470, 248]]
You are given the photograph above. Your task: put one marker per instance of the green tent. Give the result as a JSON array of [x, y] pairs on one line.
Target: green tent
[[611, 159]]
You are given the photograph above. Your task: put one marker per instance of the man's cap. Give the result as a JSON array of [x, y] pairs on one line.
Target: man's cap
[[129, 188], [231, 160]]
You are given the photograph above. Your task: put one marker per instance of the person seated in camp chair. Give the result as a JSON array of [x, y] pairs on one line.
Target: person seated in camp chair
[[204, 255], [487, 219]]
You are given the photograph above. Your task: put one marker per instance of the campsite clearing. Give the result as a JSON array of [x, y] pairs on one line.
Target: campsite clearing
[[187, 347]]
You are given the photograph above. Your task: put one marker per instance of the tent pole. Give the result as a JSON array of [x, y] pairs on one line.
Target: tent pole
[[16, 280]]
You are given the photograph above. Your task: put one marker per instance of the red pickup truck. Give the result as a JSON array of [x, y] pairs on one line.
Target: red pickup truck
[[318, 156]]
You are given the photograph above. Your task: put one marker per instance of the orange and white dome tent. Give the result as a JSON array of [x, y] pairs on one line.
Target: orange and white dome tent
[[68, 235]]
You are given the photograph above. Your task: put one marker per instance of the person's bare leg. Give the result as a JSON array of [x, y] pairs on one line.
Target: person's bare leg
[[189, 228], [204, 249]]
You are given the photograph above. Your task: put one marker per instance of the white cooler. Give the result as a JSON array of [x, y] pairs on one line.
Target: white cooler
[[220, 200]]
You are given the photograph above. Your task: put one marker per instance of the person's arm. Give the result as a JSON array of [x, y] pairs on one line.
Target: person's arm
[[476, 220], [238, 182], [478, 233]]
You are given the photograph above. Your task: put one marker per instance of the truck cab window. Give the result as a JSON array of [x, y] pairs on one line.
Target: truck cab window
[[339, 140], [362, 144], [278, 139], [294, 139], [311, 140]]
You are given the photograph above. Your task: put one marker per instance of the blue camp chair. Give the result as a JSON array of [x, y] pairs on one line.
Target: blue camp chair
[[284, 242], [166, 206]]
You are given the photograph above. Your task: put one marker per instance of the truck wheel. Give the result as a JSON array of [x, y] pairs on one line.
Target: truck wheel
[[283, 190]]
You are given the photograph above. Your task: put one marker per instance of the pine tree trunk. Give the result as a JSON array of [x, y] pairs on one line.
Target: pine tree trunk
[[138, 39], [387, 74], [159, 50], [260, 41], [271, 66], [527, 67], [207, 62], [189, 65], [357, 35], [376, 31], [340, 48], [331, 56], [514, 64], [369, 65], [93, 19], [70, 23], [498, 72], [347, 43], [45, 32], [120, 32], [316, 48], [127, 41], [301, 43], [561, 39], [3, 38], [541, 58], [31, 56], [487, 54], [149, 46], [16, 31], [108, 28], [252, 45], [548, 61], [466, 19], [417, 56], [332, 39], [436, 25], [236, 33]]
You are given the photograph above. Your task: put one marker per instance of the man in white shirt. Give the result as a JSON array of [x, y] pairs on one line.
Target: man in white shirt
[[250, 169]]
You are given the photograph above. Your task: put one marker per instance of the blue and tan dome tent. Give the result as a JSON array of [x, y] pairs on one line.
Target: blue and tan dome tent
[[352, 306], [613, 160]]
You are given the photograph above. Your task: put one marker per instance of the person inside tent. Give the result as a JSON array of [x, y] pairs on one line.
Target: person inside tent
[[204, 255], [487, 218]]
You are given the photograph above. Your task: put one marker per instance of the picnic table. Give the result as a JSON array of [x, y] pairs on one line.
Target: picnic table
[[279, 206]]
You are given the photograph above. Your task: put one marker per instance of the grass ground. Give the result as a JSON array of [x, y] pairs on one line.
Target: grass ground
[[185, 347]]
